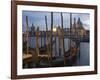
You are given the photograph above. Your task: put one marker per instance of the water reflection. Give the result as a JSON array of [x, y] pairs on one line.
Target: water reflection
[[83, 54]]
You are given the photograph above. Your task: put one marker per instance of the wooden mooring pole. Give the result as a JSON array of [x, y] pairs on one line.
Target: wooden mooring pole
[[47, 41], [27, 32], [63, 46]]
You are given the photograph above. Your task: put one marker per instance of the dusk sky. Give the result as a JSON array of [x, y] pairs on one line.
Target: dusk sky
[[38, 19]]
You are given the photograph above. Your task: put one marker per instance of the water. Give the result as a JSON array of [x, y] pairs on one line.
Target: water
[[32, 44], [83, 54], [83, 57]]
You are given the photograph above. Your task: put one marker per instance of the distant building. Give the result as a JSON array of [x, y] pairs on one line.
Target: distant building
[[77, 28], [32, 30]]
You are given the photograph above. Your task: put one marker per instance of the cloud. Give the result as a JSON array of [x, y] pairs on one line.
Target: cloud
[[38, 19]]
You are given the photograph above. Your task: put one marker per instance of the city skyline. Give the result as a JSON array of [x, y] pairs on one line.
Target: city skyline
[[38, 19]]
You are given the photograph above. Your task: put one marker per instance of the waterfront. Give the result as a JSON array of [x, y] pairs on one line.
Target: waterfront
[[50, 45], [82, 54]]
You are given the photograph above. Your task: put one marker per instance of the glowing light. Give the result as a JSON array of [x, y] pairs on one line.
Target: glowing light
[[54, 29]]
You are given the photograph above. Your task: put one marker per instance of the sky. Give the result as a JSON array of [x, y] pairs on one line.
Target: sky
[[38, 19]]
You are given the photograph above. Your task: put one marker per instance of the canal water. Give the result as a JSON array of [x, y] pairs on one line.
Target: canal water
[[83, 53]]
